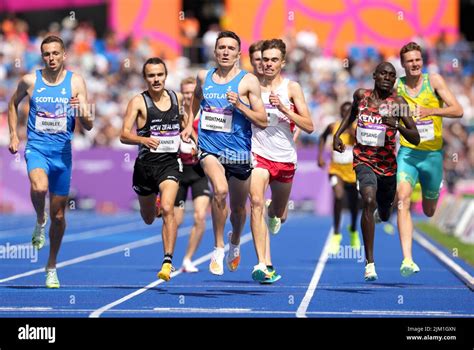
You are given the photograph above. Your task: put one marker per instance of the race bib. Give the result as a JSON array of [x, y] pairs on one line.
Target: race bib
[[217, 119], [344, 157], [272, 115], [426, 130], [169, 142], [51, 123], [371, 135]]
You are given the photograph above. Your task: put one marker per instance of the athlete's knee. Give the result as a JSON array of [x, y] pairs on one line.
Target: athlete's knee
[[167, 209], [429, 211], [39, 187], [369, 202], [58, 217], [384, 214], [238, 211], [199, 216], [148, 218], [220, 193], [257, 202]]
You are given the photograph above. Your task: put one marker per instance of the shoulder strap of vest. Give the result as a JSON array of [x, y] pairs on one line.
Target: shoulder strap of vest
[[148, 101], [174, 97]]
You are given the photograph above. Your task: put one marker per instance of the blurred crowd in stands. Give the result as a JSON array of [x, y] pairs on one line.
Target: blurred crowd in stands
[[112, 70]]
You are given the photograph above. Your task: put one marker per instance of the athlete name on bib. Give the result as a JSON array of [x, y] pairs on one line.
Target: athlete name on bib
[[51, 123], [169, 141], [217, 119], [345, 157], [426, 130], [371, 135]]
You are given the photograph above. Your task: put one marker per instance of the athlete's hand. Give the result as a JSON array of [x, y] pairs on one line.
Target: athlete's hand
[[390, 121], [421, 112], [75, 106], [150, 142], [14, 143], [275, 101], [233, 98], [321, 162], [186, 134], [338, 145]]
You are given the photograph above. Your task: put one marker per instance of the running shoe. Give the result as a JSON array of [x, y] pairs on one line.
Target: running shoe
[[272, 278], [260, 272], [189, 267], [408, 268], [38, 237], [216, 266], [389, 229], [354, 236], [370, 274], [165, 273], [335, 243], [233, 255], [274, 224], [52, 279]]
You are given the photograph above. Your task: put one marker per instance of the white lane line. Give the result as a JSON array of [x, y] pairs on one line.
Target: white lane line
[[217, 311], [301, 312], [450, 263], [99, 254], [243, 239]]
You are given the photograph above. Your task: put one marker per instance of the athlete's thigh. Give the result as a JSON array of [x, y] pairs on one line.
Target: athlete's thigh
[[147, 203], [259, 181], [238, 192], [168, 192], [215, 171], [280, 194]]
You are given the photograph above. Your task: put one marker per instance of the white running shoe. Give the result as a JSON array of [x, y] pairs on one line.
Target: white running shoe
[[38, 237], [189, 267], [216, 266], [274, 224], [370, 274], [52, 280]]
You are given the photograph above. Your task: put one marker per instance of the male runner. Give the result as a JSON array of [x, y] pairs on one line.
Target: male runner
[[52, 91], [156, 112], [430, 99], [274, 150], [229, 101], [378, 112]]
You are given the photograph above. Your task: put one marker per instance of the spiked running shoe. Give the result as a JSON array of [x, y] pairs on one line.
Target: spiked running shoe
[[370, 274], [52, 280], [233, 255], [38, 237], [354, 236], [335, 244], [165, 273], [216, 266], [408, 268]]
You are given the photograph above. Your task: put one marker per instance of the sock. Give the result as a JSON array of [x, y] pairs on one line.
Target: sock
[[167, 259]]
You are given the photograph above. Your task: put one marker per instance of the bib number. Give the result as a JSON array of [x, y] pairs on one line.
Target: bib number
[[168, 144]]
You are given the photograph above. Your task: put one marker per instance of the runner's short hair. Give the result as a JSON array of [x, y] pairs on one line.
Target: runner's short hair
[[275, 44], [411, 46], [154, 60], [52, 39], [227, 34]]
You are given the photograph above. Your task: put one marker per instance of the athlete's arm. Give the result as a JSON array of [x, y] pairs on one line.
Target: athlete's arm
[[21, 91], [134, 108], [183, 116], [322, 142], [297, 134], [452, 110], [408, 130], [251, 87], [302, 119], [347, 120], [79, 91], [195, 105]]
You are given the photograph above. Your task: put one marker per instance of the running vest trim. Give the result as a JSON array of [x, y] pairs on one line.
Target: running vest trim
[[163, 125], [431, 127], [223, 129], [51, 120]]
